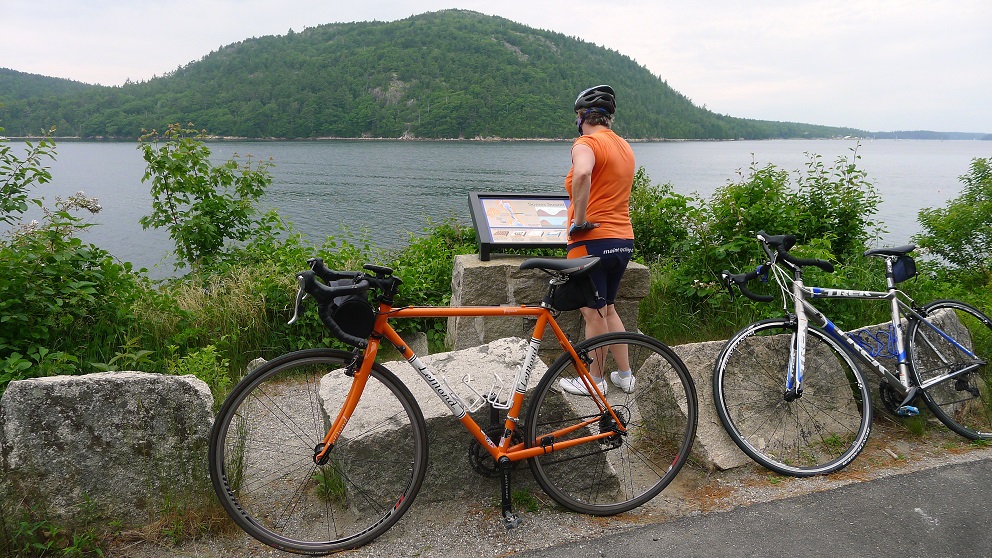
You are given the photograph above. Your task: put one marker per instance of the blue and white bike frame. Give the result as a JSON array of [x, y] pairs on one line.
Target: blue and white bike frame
[[806, 312]]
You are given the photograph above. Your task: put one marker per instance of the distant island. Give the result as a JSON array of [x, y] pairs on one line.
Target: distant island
[[928, 135], [452, 74]]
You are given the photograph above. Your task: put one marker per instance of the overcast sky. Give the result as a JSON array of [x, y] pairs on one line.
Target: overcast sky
[[877, 65]]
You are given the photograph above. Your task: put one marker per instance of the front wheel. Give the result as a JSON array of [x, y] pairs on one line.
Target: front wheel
[[262, 448], [618, 473], [949, 355], [817, 433]]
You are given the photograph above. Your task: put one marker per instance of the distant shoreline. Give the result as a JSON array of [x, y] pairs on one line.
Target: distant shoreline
[[221, 139]]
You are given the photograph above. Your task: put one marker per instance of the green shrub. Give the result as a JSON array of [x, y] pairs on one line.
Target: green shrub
[[838, 205], [425, 266], [961, 233], [19, 174], [63, 303], [208, 365], [664, 221], [204, 207], [28, 531], [830, 212]]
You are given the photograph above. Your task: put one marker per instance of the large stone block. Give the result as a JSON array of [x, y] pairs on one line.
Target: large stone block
[[478, 283], [713, 447], [500, 281], [636, 282], [126, 441]]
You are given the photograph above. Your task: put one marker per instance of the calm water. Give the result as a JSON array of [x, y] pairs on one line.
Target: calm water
[[394, 188]]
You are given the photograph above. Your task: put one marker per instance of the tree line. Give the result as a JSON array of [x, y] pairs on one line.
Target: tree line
[[448, 74]]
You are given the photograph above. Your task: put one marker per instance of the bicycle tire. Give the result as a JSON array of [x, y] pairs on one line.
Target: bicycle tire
[[614, 476], [963, 403], [262, 447], [818, 433]]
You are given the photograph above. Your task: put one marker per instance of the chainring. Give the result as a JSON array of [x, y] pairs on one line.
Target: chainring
[[479, 458], [890, 397]]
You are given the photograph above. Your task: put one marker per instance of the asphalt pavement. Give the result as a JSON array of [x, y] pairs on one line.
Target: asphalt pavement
[[944, 511]]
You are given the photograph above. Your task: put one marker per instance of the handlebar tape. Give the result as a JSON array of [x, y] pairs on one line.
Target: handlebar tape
[[741, 280]]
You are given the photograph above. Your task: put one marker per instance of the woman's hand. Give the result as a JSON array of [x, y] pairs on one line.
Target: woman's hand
[[577, 227]]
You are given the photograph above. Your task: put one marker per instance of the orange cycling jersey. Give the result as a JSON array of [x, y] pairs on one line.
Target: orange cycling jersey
[[609, 196]]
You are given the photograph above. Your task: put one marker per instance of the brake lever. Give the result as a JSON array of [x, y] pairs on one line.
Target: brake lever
[[300, 295], [725, 279]]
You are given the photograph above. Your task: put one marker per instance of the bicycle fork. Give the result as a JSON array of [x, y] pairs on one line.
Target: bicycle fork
[[797, 348]]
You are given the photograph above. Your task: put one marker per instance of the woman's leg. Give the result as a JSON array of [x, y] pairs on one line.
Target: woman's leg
[[600, 321]]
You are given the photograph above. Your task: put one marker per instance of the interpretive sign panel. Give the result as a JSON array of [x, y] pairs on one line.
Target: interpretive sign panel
[[518, 220]]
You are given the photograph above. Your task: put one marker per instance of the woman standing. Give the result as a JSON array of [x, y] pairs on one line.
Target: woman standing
[[598, 187]]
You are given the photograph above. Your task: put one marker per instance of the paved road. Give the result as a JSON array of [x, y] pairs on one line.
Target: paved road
[[946, 511]]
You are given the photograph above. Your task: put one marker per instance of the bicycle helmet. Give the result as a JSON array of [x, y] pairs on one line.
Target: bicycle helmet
[[600, 97]]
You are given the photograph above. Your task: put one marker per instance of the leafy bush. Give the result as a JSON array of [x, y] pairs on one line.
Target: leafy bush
[[829, 211], [63, 303], [18, 175], [202, 206], [30, 532], [664, 221], [961, 233], [838, 205], [425, 265], [208, 365]]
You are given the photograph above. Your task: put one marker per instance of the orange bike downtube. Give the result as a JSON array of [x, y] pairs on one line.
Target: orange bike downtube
[[358, 383]]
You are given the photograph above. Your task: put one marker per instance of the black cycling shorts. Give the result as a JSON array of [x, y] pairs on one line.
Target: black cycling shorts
[[614, 255]]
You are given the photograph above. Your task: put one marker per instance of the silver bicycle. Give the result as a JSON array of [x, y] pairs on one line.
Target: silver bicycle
[[790, 393]]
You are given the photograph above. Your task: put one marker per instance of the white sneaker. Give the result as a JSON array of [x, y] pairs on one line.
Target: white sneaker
[[626, 384], [575, 386]]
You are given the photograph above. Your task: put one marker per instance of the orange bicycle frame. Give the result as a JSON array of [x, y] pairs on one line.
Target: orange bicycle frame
[[514, 452]]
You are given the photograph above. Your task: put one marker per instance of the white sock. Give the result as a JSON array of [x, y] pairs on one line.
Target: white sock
[[624, 373]]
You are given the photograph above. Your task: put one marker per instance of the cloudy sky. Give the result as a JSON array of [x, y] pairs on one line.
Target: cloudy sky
[[878, 65]]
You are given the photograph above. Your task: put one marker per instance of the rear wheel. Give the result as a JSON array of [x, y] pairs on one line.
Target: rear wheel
[[961, 400], [817, 433], [264, 439], [618, 473]]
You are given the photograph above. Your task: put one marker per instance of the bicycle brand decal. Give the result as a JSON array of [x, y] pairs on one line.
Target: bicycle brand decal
[[842, 293], [528, 367], [431, 379], [337, 433]]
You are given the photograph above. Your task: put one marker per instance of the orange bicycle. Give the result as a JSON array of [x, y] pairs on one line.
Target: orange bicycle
[[324, 450]]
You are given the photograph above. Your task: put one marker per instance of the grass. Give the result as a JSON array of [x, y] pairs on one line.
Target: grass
[[330, 484], [917, 426], [523, 500], [836, 442], [30, 531]]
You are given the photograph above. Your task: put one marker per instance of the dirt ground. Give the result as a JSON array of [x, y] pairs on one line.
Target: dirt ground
[[469, 525]]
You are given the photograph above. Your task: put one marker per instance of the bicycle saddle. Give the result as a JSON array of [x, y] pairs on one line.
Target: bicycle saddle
[[896, 251], [569, 266]]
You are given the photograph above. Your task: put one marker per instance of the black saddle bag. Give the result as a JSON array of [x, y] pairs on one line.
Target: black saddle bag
[[577, 292]]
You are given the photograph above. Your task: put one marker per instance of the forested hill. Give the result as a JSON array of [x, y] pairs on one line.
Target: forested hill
[[449, 74]]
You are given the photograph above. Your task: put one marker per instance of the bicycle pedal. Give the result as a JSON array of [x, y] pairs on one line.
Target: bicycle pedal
[[908, 411], [511, 520]]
